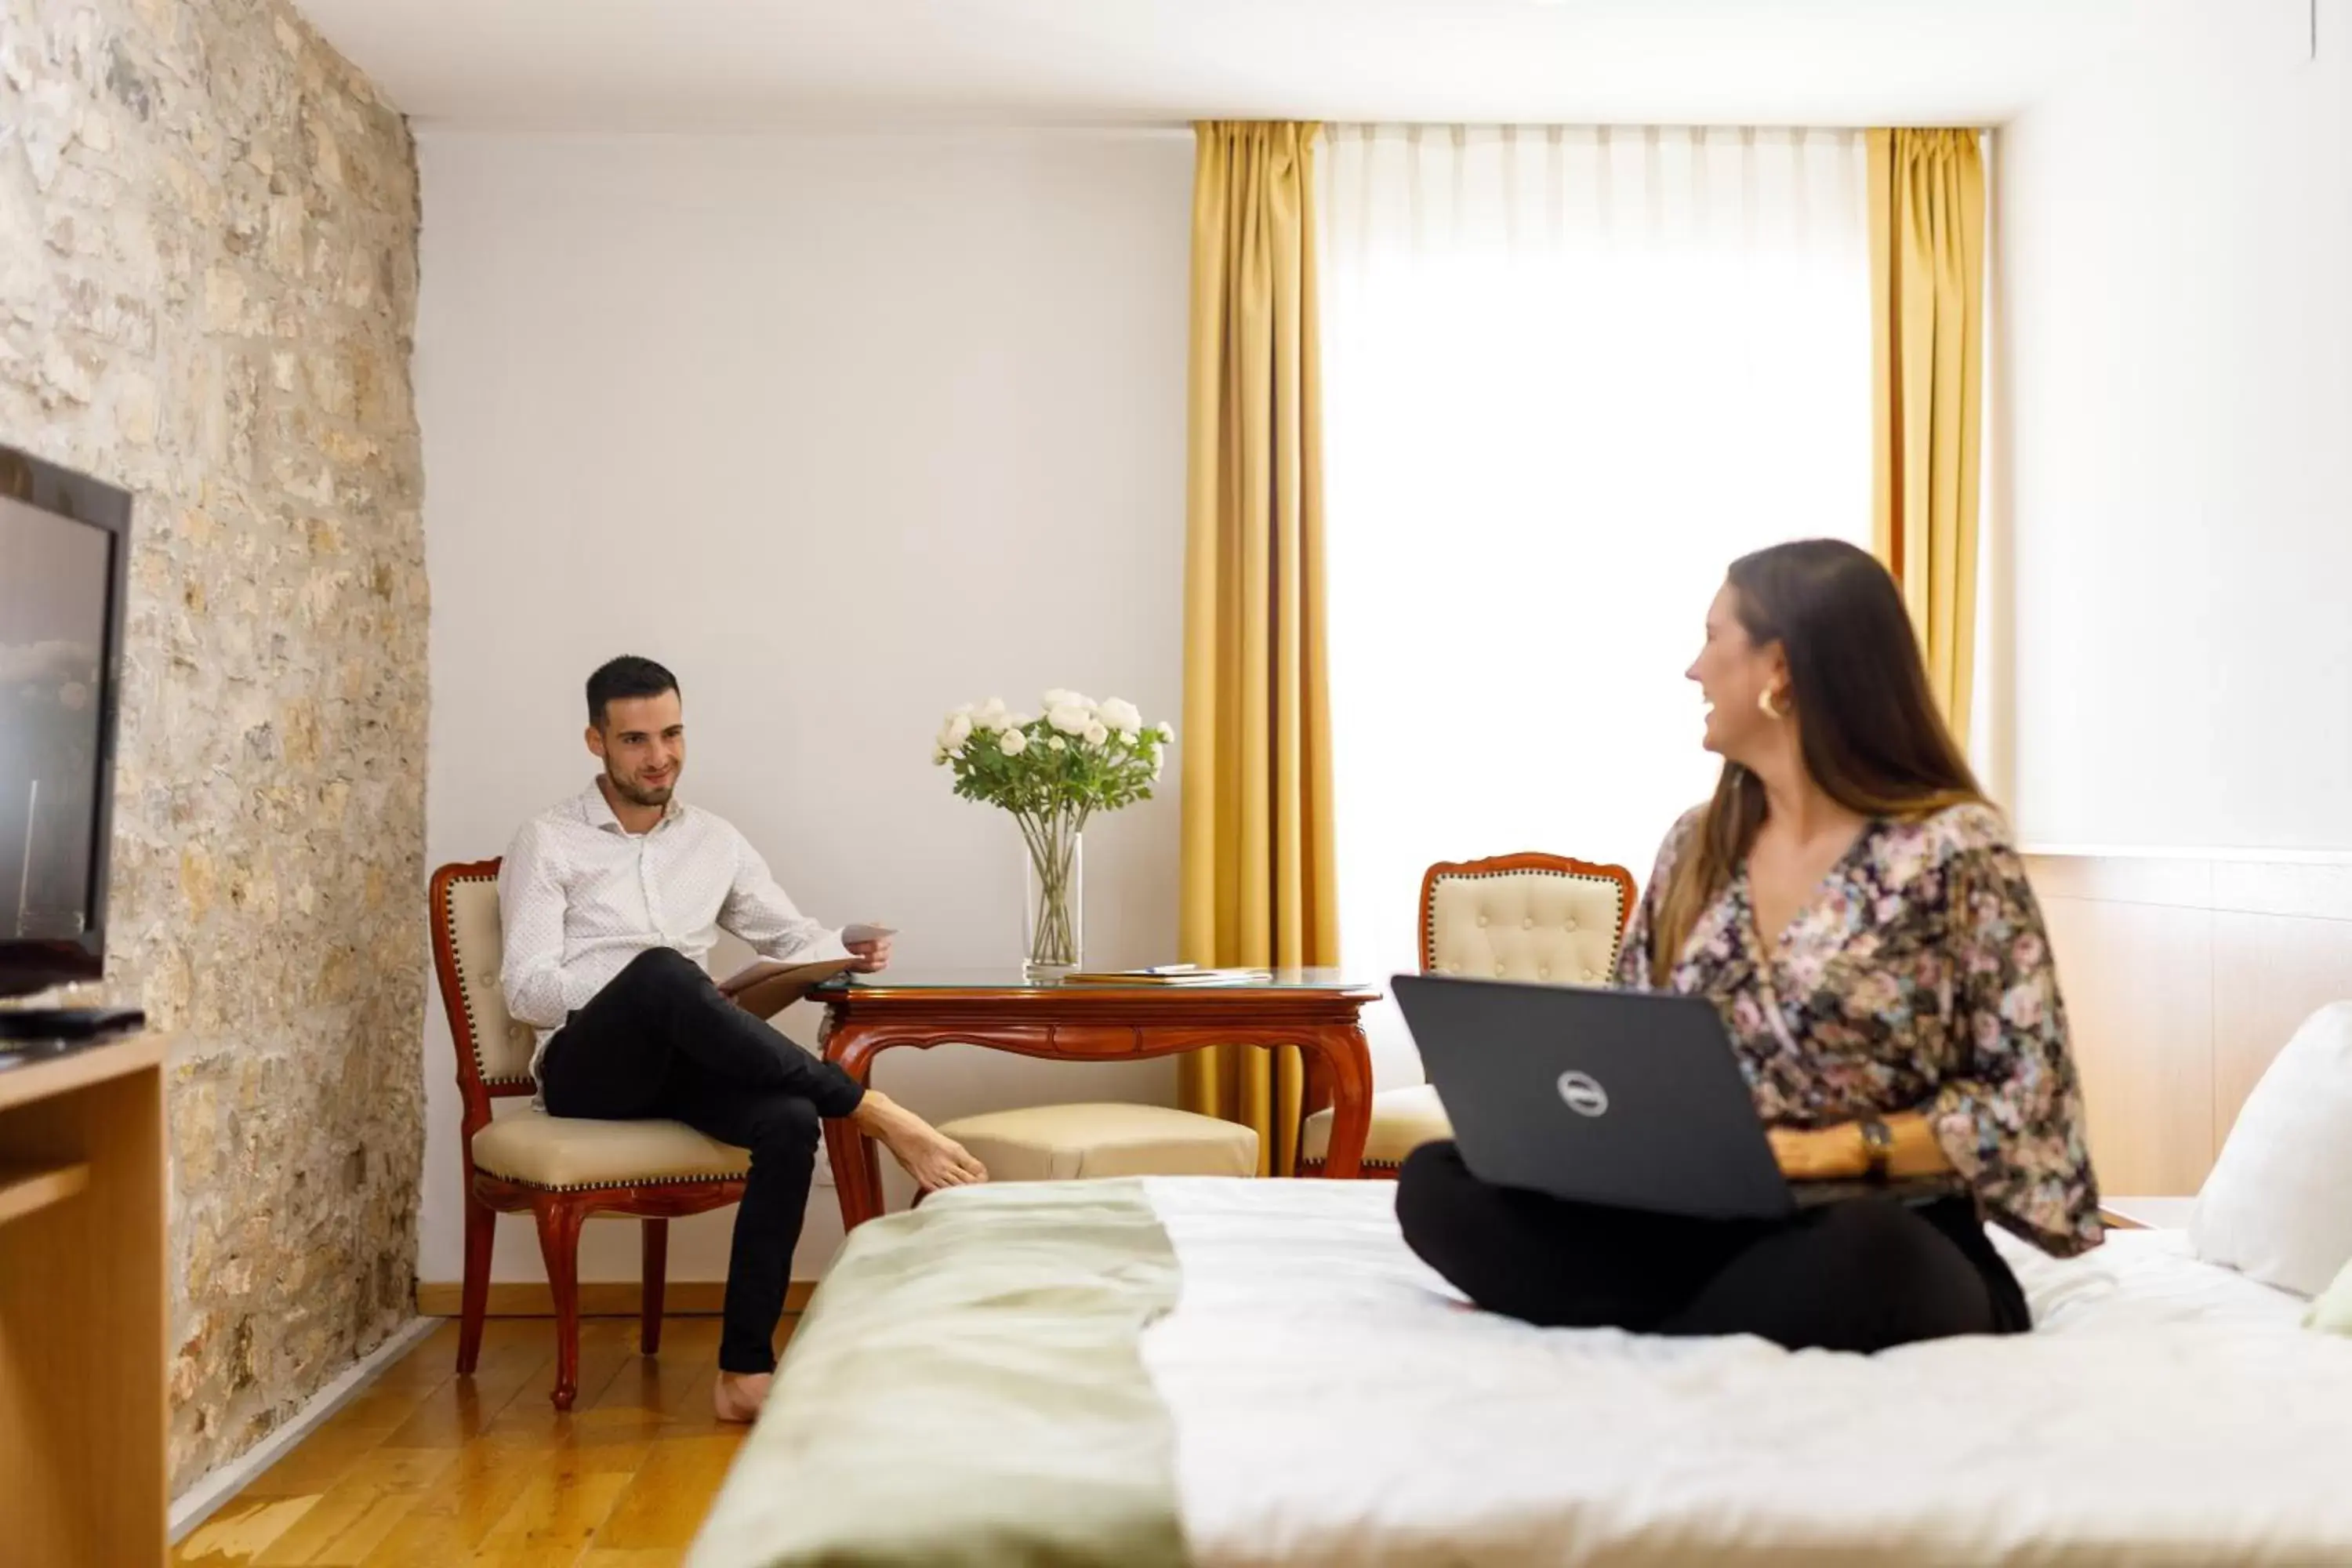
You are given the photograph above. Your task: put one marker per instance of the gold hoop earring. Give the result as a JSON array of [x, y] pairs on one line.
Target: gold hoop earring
[[1764, 702]]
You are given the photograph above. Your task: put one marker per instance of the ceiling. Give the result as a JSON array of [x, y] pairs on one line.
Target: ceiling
[[589, 64]]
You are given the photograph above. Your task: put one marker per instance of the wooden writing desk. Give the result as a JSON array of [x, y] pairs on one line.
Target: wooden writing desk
[[1314, 1009]]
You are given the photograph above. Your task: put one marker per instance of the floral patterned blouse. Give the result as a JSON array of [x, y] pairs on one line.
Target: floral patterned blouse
[[1916, 978]]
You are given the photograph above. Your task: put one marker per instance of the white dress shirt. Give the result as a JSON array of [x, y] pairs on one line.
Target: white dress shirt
[[580, 896]]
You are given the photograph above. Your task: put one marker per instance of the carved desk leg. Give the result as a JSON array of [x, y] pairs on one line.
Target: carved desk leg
[[1315, 1093], [1347, 1073], [857, 1174]]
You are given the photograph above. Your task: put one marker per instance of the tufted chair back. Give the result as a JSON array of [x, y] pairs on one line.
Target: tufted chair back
[[493, 1051], [1542, 918]]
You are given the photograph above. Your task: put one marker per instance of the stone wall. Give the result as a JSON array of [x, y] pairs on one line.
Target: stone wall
[[207, 288]]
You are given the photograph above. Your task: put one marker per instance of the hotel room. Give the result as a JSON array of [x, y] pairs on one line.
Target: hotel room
[[1492, 508]]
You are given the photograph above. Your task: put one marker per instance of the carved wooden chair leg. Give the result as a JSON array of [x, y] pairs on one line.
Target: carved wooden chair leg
[[560, 1216], [657, 1250], [481, 1229]]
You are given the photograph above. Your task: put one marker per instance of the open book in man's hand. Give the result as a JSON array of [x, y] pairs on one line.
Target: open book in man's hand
[[782, 972], [791, 974]]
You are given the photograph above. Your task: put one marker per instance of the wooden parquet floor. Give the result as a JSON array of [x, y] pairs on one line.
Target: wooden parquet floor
[[426, 1469]]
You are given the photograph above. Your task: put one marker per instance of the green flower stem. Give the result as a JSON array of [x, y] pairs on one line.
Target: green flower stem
[[1051, 838]]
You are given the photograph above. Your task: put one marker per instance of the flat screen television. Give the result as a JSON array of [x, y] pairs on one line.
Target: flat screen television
[[65, 542]]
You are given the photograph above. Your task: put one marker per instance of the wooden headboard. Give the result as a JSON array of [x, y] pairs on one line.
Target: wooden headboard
[[2183, 975]]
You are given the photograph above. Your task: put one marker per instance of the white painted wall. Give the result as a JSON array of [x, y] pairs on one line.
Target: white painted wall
[[846, 430], [2175, 332]]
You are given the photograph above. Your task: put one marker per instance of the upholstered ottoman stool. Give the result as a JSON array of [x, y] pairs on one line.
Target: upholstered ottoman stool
[[1066, 1143]]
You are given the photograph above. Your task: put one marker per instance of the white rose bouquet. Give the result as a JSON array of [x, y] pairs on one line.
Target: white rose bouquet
[[1052, 772]]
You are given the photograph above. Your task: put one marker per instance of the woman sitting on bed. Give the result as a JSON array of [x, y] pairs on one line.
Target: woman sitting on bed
[[1853, 908]]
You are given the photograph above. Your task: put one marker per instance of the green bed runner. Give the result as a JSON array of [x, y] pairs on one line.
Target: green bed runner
[[967, 1389]]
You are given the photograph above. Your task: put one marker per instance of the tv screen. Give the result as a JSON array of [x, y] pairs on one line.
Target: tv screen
[[62, 540]]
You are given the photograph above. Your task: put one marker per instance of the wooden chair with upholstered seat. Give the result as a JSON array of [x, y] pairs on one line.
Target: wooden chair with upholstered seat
[[560, 1169], [1542, 918]]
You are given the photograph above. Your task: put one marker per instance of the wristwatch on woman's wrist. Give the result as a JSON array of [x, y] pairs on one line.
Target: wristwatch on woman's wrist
[[1877, 1144]]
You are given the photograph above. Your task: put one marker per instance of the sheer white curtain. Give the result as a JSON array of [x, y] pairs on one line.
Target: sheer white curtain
[[1569, 374]]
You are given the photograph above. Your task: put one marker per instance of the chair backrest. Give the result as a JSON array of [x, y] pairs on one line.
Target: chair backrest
[[1544, 919], [493, 1051]]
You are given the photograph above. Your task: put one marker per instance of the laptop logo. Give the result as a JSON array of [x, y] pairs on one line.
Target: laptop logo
[[1582, 1093]]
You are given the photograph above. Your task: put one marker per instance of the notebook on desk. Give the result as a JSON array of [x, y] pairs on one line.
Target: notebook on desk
[[1168, 975]]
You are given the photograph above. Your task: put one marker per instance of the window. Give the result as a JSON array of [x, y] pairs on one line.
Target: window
[[1569, 374]]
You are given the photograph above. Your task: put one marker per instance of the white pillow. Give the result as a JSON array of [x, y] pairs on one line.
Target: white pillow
[[2278, 1206]]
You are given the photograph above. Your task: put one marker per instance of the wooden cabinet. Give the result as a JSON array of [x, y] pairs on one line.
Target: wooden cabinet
[[82, 1324]]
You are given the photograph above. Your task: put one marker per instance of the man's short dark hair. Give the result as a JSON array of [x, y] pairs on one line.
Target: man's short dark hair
[[618, 679]]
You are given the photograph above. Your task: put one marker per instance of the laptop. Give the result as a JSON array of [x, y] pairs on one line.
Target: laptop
[[1622, 1098]]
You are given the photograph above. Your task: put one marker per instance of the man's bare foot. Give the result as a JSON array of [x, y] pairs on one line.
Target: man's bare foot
[[934, 1160], [737, 1395]]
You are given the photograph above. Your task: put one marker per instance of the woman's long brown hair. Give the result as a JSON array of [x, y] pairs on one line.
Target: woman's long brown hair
[[1867, 725]]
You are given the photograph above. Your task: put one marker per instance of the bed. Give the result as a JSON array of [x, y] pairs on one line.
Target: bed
[[1217, 1372]]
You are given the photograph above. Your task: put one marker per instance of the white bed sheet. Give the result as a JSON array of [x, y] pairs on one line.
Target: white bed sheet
[[1335, 1403]]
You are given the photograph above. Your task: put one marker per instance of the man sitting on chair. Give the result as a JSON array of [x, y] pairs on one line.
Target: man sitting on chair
[[610, 903]]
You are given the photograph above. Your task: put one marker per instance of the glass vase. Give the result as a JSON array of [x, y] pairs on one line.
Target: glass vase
[[1053, 902]]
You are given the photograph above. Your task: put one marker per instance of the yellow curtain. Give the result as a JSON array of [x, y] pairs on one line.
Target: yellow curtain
[[1926, 255], [1256, 877]]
